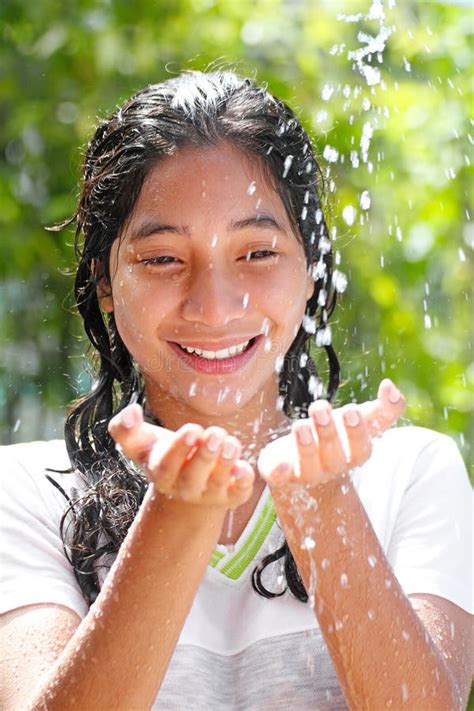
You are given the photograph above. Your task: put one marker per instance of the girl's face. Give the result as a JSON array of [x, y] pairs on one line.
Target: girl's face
[[208, 261]]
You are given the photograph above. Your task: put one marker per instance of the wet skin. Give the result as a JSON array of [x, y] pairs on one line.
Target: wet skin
[[209, 259]]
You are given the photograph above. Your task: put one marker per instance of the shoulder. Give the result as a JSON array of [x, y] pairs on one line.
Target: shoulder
[[26, 471], [32, 455], [406, 453], [412, 471]]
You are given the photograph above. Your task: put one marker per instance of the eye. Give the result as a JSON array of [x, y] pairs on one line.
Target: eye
[[164, 259], [259, 254]]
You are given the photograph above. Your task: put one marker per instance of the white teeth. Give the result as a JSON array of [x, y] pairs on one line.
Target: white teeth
[[218, 355]]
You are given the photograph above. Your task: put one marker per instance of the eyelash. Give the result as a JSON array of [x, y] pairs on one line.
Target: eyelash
[[159, 260], [166, 259], [268, 253]]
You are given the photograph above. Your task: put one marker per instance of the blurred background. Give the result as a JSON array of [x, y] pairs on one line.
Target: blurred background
[[385, 91]]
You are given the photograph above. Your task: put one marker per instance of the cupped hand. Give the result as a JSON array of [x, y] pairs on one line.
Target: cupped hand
[[195, 465], [330, 443]]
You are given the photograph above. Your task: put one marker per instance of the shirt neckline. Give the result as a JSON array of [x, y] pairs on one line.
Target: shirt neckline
[[233, 561]]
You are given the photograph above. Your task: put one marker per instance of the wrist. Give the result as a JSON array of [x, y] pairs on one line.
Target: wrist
[[163, 505], [328, 489]]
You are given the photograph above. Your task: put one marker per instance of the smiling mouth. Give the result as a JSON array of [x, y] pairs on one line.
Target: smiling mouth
[[222, 354]]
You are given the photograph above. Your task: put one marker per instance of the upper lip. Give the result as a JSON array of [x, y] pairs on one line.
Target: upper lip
[[216, 345]]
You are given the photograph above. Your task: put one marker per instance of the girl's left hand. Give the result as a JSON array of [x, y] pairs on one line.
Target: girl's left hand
[[330, 443]]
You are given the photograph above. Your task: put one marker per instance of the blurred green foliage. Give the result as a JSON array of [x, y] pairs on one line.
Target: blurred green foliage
[[408, 256]]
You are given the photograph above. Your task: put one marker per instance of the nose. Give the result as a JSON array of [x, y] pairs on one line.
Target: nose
[[213, 299]]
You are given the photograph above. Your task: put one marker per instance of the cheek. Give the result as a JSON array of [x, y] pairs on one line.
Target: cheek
[[284, 290], [138, 307]]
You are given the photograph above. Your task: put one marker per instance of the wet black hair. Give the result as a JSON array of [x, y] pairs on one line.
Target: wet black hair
[[191, 109]]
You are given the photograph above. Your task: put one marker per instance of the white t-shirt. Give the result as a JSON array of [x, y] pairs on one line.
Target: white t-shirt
[[239, 651]]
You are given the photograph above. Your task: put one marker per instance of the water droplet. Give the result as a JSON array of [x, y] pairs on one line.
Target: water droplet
[[339, 281], [287, 165], [344, 580], [349, 214], [354, 156], [367, 133], [427, 321], [315, 387], [245, 300], [405, 635], [370, 614], [324, 336], [309, 324], [325, 564], [303, 359], [372, 561], [327, 92], [251, 188], [330, 153], [308, 544], [324, 245], [365, 200], [279, 363], [192, 389], [404, 690]]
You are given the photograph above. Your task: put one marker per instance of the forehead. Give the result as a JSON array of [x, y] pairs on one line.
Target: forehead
[[213, 178]]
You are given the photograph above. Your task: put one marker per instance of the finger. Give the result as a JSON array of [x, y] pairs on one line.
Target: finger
[[358, 437], [196, 471], [166, 462], [382, 413], [229, 453], [241, 483], [332, 455], [279, 474], [135, 437], [308, 463]]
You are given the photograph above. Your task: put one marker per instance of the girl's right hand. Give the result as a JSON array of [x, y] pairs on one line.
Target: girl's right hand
[[193, 465]]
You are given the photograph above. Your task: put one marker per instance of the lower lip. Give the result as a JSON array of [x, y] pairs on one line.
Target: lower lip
[[216, 366]]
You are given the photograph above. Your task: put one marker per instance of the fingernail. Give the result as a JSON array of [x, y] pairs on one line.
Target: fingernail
[[214, 442], [321, 414], [191, 437], [304, 434], [127, 419], [229, 449], [239, 473], [351, 418], [394, 394]]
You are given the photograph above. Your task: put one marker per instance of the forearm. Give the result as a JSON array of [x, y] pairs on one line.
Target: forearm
[[381, 652], [120, 652]]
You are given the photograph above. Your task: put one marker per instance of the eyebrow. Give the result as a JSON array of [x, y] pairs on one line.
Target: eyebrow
[[261, 221], [152, 227]]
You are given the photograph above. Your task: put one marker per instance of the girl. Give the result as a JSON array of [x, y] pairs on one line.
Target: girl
[[224, 539]]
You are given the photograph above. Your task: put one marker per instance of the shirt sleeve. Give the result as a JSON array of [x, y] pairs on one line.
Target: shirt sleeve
[[33, 566], [431, 545]]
